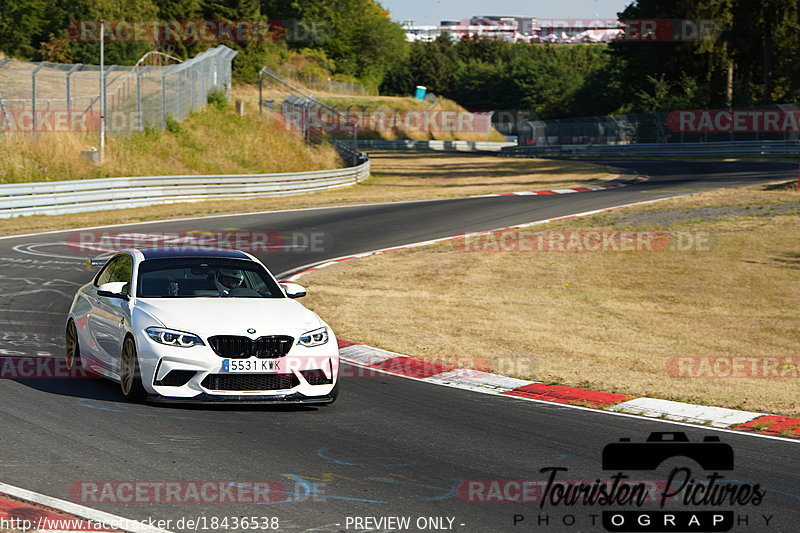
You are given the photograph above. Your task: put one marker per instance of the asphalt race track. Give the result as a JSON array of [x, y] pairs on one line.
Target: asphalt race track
[[389, 446]]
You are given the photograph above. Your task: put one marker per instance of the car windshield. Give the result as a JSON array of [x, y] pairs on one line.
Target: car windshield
[[205, 278]]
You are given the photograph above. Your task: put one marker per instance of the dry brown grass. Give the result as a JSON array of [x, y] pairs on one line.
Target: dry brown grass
[[367, 103], [451, 174], [398, 176], [607, 321], [722, 197], [416, 135], [210, 142], [389, 102], [370, 104]]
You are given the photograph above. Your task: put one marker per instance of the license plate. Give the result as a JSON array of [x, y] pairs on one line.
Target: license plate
[[250, 365]]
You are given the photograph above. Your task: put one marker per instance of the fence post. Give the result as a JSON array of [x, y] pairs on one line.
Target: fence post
[[229, 79], [164, 99], [180, 96], [69, 90], [104, 105], [139, 99], [203, 78], [306, 113], [102, 92], [33, 94], [355, 142]]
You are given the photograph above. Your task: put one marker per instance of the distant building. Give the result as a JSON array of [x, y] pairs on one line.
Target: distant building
[[501, 28], [516, 29]]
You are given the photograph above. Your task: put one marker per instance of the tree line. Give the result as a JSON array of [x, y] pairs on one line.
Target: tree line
[[354, 39], [751, 58]]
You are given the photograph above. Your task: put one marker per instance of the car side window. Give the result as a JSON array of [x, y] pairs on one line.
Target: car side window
[[121, 271], [118, 269], [105, 275]]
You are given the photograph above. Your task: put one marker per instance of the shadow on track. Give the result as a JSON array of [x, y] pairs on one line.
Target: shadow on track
[[103, 390]]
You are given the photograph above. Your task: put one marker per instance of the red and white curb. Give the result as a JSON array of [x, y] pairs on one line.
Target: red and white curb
[[402, 365], [24, 509], [569, 190], [383, 361]]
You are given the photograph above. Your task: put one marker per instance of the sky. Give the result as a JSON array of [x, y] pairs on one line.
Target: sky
[[434, 11]]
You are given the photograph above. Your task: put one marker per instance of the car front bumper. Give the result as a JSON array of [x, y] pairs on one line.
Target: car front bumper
[[157, 361]]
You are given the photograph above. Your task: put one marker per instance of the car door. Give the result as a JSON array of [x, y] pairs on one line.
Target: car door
[[110, 315], [96, 322]]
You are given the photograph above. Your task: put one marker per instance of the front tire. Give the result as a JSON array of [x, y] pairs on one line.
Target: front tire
[[130, 375], [73, 352]]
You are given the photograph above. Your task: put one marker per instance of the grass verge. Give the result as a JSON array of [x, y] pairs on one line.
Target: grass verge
[[397, 176], [444, 115], [212, 141], [619, 321], [446, 120]]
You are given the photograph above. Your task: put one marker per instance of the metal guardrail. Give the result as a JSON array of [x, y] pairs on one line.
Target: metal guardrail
[[464, 146], [788, 149], [80, 196]]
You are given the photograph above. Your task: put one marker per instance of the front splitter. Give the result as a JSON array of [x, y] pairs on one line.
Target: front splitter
[[245, 399]]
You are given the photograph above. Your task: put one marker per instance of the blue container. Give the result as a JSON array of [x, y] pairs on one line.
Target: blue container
[[419, 94]]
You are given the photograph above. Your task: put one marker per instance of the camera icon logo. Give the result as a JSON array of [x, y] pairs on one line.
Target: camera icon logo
[[710, 454]]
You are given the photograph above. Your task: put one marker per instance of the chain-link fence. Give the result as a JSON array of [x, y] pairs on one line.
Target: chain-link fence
[[769, 122], [334, 87], [46, 97], [314, 120]]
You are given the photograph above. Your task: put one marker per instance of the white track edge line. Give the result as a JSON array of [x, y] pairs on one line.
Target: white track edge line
[[301, 270], [570, 406], [86, 513]]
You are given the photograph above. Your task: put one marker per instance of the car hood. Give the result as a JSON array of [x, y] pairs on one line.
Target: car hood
[[231, 316]]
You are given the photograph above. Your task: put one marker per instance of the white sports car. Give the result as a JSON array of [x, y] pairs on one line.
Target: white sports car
[[204, 325]]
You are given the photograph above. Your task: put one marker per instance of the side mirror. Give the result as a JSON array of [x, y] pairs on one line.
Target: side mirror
[[113, 290], [293, 290]]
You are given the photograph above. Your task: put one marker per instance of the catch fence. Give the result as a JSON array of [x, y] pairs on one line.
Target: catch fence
[[53, 97]]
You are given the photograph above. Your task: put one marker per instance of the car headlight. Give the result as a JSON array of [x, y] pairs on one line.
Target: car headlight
[[314, 338], [170, 337]]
